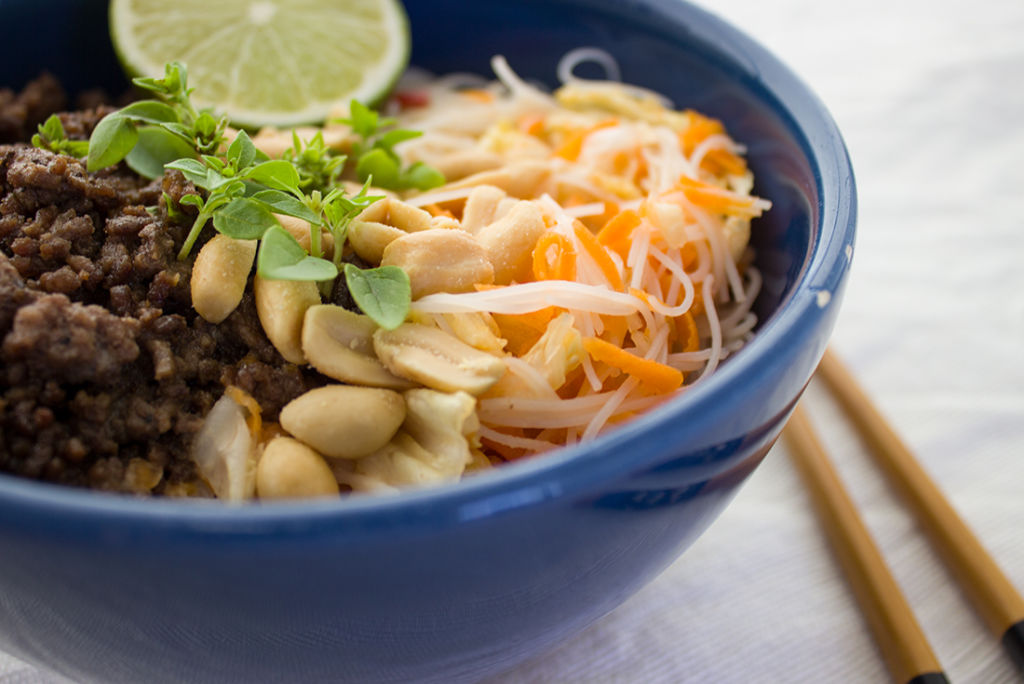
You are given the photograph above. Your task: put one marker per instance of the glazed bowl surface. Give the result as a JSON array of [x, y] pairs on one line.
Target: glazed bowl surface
[[457, 582]]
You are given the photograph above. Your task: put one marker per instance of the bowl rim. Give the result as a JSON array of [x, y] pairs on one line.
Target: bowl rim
[[532, 481]]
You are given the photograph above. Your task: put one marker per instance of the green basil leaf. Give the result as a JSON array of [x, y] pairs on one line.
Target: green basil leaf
[[283, 203], [244, 219], [179, 129], [192, 169], [241, 150], [281, 257], [215, 163], [155, 148], [150, 111], [191, 199], [392, 138], [173, 83], [379, 164], [422, 177], [205, 125], [176, 77], [112, 139], [384, 293], [364, 119], [76, 148], [214, 179], [278, 174], [155, 85], [52, 129]]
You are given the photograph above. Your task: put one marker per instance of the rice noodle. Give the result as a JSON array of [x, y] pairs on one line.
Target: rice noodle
[[529, 297], [608, 149], [716, 329], [574, 58]]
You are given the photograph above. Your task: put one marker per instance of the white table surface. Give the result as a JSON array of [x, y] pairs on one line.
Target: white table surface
[[930, 97]]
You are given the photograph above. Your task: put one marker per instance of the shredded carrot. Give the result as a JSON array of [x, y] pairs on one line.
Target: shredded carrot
[[554, 258], [699, 128], [714, 198], [597, 252], [436, 210], [521, 331], [721, 161], [690, 256], [249, 405], [615, 329], [618, 232], [531, 124], [572, 146], [686, 333], [483, 96], [657, 377]]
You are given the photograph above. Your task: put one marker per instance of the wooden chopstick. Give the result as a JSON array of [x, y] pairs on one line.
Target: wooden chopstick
[[994, 597], [906, 650]]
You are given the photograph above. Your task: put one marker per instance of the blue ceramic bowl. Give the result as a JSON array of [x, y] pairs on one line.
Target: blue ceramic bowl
[[453, 583]]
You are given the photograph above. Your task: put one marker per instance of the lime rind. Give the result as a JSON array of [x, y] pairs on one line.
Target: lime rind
[[254, 73]]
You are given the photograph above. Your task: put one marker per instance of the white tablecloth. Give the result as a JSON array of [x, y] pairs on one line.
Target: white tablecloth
[[930, 97]]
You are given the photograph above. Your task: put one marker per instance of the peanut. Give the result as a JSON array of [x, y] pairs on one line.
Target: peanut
[[344, 421], [465, 163], [289, 469], [339, 344], [434, 358], [383, 222], [521, 179], [510, 240], [281, 306], [480, 207], [440, 260], [219, 276]]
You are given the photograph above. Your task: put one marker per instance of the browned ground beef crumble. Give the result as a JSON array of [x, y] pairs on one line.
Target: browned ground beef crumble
[[105, 365]]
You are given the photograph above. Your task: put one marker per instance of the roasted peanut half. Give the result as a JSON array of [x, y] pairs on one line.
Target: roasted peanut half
[[339, 344], [440, 260], [477, 329], [281, 306], [434, 358], [510, 240], [445, 222], [289, 469], [344, 421], [219, 276], [381, 223], [481, 206], [521, 179], [466, 162]]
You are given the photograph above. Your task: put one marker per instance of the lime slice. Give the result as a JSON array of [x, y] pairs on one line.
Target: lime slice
[[267, 62]]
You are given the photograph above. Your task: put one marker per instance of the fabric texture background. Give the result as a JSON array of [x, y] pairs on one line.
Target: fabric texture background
[[930, 100]]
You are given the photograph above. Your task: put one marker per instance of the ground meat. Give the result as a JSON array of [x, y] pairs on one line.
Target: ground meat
[[55, 338], [107, 370], [21, 113]]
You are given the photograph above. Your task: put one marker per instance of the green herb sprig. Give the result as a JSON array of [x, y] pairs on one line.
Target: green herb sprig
[[244, 188], [318, 165], [376, 156], [51, 136], [148, 134]]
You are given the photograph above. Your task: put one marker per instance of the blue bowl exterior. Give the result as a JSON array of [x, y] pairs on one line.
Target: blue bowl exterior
[[454, 583]]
